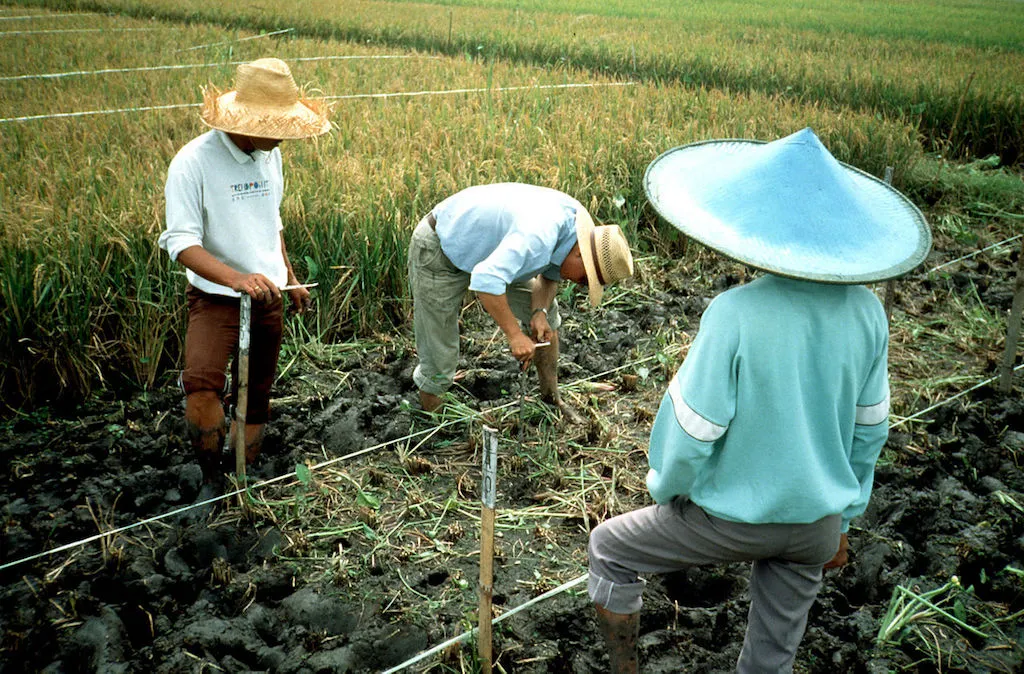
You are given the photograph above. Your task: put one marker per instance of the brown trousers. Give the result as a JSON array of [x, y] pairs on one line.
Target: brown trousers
[[212, 340]]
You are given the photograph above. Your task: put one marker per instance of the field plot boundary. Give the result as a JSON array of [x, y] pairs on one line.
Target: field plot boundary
[[972, 114], [193, 66]]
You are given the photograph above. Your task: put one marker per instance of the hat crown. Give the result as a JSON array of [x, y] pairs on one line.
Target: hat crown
[[266, 82], [614, 259], [265, 103]]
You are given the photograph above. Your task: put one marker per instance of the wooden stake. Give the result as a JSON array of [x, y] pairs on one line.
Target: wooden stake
[[487, 494], [890, 285], [1013, 327], [242, 402]]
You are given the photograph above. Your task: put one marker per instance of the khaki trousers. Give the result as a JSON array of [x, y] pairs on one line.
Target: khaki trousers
[[438, 291]]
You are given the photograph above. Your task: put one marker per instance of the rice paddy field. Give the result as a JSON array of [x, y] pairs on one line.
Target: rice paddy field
[[359, 566]]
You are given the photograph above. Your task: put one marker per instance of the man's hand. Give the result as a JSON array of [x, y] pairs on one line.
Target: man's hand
[[256, 286], [522, 348], [301, 300], [540, 328], [841, 556]]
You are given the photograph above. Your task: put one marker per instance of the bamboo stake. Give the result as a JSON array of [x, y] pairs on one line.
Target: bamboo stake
[[487, 497], [1013, 327], [242, 402], [890, 285]]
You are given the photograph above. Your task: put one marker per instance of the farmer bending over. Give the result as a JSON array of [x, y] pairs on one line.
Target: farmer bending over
[[223, 194], [511, 244], [765, 444]]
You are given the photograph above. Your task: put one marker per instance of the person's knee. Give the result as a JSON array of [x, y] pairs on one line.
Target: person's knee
[[204, 421], [597, 545]]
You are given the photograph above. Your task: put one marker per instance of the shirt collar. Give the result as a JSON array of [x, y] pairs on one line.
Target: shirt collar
[[240, 156]]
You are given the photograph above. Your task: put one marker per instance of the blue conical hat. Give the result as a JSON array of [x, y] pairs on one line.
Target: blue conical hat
[[790, 208]]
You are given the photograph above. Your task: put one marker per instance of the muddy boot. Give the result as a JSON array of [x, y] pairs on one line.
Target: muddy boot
[[212, 466], [207, 443], [206, 427], [546, 359], [254, 434], [620, 632], [429, 402]]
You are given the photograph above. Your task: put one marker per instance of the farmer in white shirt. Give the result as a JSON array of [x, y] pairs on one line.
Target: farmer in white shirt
[[510, 243], [223, 197], [765, 444]]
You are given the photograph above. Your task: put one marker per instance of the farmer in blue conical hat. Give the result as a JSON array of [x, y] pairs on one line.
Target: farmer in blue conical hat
[[765, 444]]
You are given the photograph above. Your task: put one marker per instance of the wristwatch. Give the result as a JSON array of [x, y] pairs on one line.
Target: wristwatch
[[540, 309]]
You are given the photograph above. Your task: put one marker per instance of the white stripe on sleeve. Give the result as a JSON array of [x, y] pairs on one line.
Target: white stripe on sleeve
[[692, 423], [872, 415]]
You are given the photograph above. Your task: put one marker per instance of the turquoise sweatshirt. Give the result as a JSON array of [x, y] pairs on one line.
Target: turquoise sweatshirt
[[781, 407]]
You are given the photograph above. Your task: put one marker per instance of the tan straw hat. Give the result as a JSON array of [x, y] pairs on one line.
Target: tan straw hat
[[265, 103], [605, 253]]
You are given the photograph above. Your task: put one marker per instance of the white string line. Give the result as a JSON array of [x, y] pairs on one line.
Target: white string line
[[76, 30], [347, 97], [948, 400], [279, 478], [977, 252], [441, 92], [25, 17], [106, 71], [508, 614], [323, 464], [241, 39], [59, 115]]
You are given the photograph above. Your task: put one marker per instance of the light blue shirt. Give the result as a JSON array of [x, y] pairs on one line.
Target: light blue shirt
[[781, 408], [506, 232]]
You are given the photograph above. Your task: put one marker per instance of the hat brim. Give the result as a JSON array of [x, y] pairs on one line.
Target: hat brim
[[303, 119], [898, 241], [585, 239]]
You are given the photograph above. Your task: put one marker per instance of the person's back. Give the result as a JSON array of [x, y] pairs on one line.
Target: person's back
[[536, 225], [804, 358]]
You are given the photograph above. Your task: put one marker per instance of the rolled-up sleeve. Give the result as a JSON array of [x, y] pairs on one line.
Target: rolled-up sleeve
[[183, 194]]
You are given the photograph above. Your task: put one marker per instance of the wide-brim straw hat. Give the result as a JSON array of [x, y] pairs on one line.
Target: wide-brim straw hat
[[790, 208], [605, 253], [265, 103]]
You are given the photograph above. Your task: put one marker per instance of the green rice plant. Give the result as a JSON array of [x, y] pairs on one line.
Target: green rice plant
[[909, 612], [1008, 500]]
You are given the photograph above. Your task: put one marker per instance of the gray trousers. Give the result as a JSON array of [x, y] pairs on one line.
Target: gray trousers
[[785, 575], [438, 290]]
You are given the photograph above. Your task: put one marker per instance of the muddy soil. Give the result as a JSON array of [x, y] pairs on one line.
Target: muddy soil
[[361, 566]]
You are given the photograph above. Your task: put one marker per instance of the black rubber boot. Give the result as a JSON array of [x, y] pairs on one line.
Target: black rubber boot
[[620, 632]]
